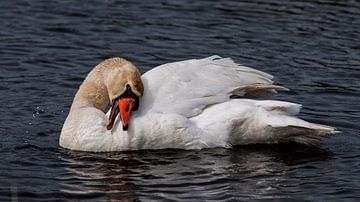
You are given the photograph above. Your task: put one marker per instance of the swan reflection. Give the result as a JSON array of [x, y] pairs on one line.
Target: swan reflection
[[244, 172]]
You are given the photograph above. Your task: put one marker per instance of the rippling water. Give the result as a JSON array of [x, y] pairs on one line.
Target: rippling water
[[47, 48]]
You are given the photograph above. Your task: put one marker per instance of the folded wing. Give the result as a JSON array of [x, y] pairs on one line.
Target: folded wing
[[187, 87]]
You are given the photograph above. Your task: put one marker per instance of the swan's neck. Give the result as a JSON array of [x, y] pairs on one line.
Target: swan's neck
[[92, 92]]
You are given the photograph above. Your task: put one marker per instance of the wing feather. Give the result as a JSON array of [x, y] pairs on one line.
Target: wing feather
[[187, 87]]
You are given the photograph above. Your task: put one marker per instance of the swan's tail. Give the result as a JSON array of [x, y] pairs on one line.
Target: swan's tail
[[274, 122], [302, 132], [283, 126], [247, 121]]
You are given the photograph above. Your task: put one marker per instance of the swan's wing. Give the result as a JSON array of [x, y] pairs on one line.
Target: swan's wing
[[187, 87]]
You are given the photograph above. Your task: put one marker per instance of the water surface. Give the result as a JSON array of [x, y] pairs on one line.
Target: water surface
[[48, 47]]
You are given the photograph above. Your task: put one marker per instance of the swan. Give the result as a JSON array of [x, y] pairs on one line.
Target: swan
[[191, 104]]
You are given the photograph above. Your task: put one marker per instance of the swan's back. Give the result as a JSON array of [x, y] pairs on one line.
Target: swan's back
[[204, 90], [189, 86]]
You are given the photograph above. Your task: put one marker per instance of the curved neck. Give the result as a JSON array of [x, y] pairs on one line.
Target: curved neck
[[92, 92]]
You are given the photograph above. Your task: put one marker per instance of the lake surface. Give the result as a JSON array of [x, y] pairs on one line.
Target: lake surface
[[48, 47]]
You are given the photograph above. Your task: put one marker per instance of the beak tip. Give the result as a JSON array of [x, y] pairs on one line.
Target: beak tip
[[125, 127]]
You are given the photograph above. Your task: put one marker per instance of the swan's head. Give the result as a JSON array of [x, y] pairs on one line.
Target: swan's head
[[124, 87]]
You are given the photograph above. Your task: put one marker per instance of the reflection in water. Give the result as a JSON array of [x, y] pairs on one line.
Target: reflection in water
[[265, 171], [89, 175], [250, 171], [47, 48]]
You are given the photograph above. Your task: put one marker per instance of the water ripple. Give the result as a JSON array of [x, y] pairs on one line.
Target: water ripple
[[312, 47]]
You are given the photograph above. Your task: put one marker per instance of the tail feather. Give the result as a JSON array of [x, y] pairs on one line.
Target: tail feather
[[311, 135], [285, 127], [246, 121]]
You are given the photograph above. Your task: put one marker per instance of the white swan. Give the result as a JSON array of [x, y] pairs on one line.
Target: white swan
[[191, 104]]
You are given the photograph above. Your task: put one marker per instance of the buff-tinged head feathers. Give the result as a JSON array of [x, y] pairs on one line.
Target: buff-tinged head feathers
[[118, 73]]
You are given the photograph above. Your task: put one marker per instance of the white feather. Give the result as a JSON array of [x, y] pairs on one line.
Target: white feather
[[187, 105]]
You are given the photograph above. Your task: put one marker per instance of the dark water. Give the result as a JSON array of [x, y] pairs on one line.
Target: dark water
[[47, 48]]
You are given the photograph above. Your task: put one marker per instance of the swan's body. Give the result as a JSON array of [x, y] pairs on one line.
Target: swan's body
[[185, 105]]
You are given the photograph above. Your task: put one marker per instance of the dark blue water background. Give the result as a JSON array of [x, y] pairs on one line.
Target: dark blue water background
[[48, 47]]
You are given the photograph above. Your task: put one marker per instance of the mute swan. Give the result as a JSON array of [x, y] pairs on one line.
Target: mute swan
[[192, 104]]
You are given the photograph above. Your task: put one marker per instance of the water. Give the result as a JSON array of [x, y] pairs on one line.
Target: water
[[48, 47]]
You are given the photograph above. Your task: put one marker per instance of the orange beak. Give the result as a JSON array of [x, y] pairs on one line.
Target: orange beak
[[125, 106]]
